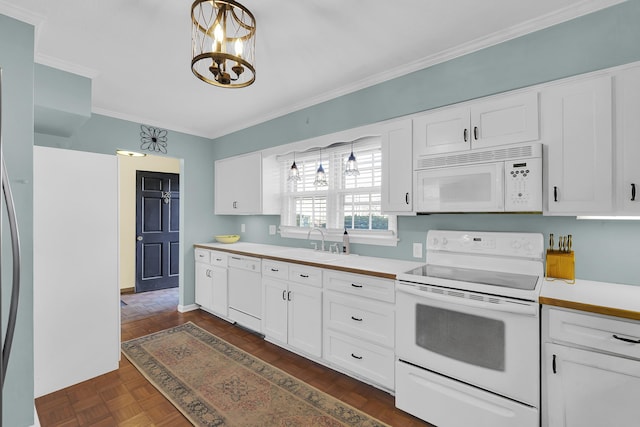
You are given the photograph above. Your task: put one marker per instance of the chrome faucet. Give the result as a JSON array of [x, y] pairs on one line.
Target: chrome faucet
[[321, 233]]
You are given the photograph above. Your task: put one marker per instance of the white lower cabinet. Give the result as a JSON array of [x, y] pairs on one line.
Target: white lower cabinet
[[211, 281], [359, 326], [591, 370], [292, 311]]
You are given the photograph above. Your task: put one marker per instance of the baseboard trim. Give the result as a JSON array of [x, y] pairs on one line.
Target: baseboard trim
[[185, 308], [124, 291]]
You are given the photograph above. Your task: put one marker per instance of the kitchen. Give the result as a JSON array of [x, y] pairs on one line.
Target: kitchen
[[606, 250]]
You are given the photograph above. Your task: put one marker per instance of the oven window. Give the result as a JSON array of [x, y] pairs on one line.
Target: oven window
[[477, 340]]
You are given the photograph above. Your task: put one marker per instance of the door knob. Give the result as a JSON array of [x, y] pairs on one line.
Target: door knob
[[139, 238]]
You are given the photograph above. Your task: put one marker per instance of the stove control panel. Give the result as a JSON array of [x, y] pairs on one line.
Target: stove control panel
[[528, 245]]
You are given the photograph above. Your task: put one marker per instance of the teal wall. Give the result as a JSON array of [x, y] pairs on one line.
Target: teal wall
[[16, 60], [605, 251]]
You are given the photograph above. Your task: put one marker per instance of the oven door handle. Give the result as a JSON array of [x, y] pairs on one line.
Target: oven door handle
[[524, 308]]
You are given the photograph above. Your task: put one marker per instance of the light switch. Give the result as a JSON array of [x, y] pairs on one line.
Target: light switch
[[242, 228], [272, 230], [417, 250]]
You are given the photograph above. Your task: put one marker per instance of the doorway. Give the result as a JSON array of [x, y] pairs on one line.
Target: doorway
[[157, 230]]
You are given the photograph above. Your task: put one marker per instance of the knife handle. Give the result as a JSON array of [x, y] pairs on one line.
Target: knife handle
[[569, 243], [551, 242], [561, 243]]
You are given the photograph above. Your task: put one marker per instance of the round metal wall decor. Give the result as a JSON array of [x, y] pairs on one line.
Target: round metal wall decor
[[153, 139]]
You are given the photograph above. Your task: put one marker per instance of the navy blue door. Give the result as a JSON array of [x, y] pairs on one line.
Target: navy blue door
[[157, 230]]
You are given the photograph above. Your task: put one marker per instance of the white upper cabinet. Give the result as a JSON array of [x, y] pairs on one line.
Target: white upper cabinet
[[397, 168], [503, 119], [246, 185], [627, 107], [577, 128]]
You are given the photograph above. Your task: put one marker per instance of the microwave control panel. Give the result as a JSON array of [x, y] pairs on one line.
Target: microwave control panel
[[523, 185]]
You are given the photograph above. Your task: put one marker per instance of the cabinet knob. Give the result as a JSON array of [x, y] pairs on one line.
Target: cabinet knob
[[139, 239]]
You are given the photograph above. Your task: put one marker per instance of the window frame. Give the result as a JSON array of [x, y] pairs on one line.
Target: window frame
[[332, 155]]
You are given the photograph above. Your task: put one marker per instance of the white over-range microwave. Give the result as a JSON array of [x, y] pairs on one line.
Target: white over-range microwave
[[498, 179]]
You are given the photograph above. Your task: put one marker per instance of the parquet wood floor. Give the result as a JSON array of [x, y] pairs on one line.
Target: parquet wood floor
[[125, 398]]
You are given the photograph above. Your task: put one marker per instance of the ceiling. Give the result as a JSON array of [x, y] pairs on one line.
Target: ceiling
[[137, 52]]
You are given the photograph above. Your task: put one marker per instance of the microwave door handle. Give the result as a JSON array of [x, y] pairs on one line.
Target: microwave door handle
[[523, 308]]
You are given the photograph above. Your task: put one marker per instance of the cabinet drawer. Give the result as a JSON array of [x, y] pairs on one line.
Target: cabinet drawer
[[219, 259], [366, 319], [279, 270], [360, 284], [367, 360], [305, 274], [203, 255], [594, 331]]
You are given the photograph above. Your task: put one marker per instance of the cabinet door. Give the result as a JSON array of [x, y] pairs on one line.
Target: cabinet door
[[590, 389], [238, 185], [204, 285], [305, 318], [627, 141], [442, 131], [576, 120], [274, 309], [507, 119], [397, 168], [219, 303]]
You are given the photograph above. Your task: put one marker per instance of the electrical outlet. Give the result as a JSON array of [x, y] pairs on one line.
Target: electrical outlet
[[417, 250], [272, 230], [242, 228]]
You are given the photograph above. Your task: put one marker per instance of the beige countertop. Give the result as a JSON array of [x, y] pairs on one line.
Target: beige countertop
[[372, 266], [612, 299]]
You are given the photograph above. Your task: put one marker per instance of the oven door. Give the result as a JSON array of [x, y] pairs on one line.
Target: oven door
[[476, 188], [489, 342]]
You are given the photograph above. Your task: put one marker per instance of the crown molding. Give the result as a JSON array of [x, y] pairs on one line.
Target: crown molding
[[67, 66], [563, 15]]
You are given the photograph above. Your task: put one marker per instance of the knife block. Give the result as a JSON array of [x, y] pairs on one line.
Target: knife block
[[561, 265]]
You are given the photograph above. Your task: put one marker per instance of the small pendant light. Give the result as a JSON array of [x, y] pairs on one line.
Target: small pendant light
[[321, 177], [351, 169], [294, 173]]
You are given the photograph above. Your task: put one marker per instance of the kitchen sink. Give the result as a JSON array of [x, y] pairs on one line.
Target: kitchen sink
[[307, 255]]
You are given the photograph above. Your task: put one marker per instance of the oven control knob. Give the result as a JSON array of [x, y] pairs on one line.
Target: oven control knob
[[434, 241], [515, 245], [444, 241]]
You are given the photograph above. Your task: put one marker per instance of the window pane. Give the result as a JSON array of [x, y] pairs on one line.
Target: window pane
[[311, 211]]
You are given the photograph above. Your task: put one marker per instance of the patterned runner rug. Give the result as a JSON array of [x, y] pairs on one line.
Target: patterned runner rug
[[214, 383]]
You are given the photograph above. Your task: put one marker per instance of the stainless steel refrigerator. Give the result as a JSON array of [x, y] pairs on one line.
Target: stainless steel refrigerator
[[11, 233]]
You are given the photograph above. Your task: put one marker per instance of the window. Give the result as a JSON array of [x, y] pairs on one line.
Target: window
[[351, 202]]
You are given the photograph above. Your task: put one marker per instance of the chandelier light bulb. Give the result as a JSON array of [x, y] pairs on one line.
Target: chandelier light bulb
[[238, 47]]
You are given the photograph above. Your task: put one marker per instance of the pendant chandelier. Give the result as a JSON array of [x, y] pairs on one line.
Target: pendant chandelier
[[223, 43], [294, 173], [351, 168], [321, 177]]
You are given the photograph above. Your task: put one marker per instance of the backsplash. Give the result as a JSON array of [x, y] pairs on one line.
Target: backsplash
[[606, 251]]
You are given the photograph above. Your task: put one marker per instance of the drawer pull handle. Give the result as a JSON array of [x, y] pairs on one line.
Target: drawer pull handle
[[275, 270], [235, 257], [356, 357], [553, 365], [357, 319], [218, 259], [626, 339], [289, 296], [356, 286], [284, 293], [475, 133], [305, 276], [464, 134], [633, 192]]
